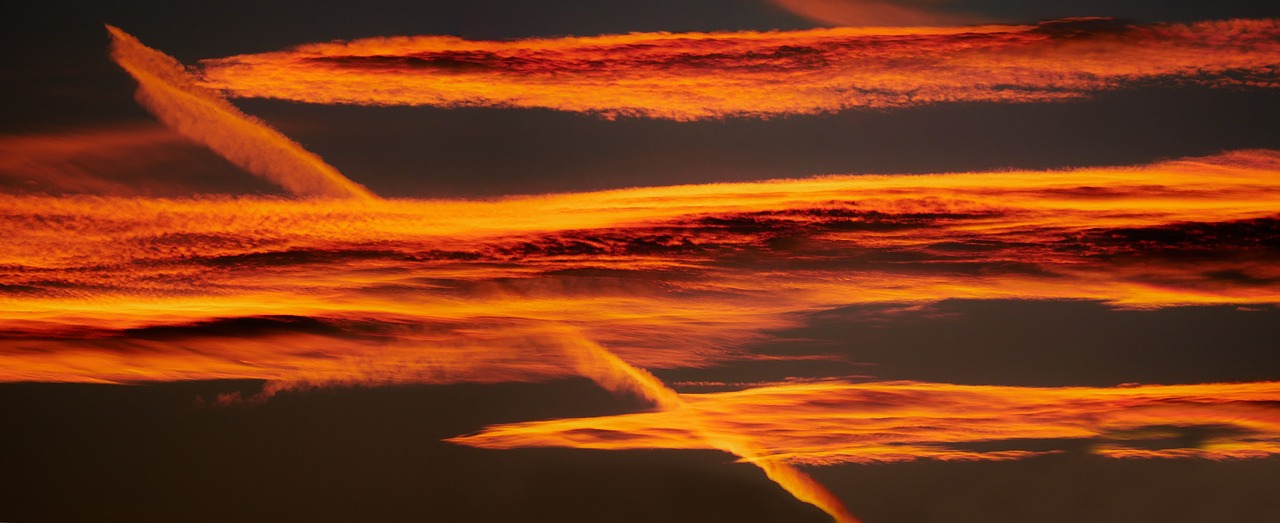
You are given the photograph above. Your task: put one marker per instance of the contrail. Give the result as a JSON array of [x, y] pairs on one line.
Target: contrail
[[173, 96], [616, 375]]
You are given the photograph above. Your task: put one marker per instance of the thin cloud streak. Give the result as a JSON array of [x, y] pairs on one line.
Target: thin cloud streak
[[689, 76], [882, 422], [81, 161]]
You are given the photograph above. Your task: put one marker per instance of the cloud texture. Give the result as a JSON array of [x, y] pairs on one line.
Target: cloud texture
[[688, 76]]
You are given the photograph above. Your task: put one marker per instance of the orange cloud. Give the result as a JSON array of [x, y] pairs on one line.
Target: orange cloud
[[169, 92], [416, 291], [837, 422], [687, 76]]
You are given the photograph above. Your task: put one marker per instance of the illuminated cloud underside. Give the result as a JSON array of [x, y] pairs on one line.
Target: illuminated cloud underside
[[686, 76]]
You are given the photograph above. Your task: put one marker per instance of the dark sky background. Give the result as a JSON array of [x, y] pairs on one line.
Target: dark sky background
[[150, 453]]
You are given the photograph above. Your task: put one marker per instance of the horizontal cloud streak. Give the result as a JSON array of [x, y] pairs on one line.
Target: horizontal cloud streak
[[137, 159], [666, 277], [836, 422], [79, 161], [686, 76]]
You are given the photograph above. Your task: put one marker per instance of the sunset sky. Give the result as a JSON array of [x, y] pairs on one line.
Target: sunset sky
[[695, 261]]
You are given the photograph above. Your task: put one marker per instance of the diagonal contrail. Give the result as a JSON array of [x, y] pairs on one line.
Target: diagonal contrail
[[172, 95], [616, 375]]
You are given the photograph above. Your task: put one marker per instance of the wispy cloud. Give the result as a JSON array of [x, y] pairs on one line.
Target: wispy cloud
[[96, 161], [837, 422], [687, 76]]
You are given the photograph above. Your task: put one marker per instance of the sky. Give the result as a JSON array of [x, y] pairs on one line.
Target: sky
[[752, 260]]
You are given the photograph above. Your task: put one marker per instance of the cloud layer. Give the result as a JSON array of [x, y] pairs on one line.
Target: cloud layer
[[435, 291], [687, 76]]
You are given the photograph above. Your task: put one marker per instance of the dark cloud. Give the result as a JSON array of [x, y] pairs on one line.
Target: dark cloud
[[310, 256], [247, 327], [1261, 236]]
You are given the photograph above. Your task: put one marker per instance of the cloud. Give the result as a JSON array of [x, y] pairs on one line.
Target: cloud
[[837, 422], [666, 277], [74, 162], [689, 76], [169, 92]]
